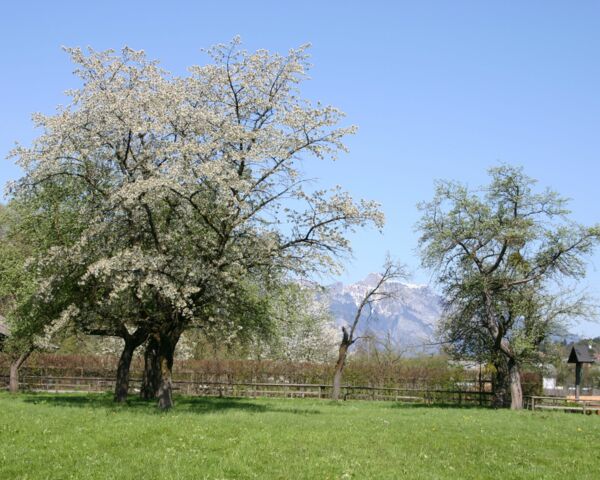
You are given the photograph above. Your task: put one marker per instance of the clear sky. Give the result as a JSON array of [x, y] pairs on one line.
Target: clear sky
[[438, 89]]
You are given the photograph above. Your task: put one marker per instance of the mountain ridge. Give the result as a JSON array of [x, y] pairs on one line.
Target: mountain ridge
[[409, 318]]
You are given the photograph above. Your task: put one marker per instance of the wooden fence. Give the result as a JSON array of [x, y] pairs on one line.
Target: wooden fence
[[423, 373], [255, 389], [564, 404]]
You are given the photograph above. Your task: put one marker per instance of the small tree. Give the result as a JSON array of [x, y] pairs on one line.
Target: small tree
[[501, 254], [29, 228], [16, 287], [33, 331], [391, 271]]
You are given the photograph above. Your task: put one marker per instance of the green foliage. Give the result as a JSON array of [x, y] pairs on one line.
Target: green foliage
[[14, 281], [17, 282], [32, 226], [87, 436]]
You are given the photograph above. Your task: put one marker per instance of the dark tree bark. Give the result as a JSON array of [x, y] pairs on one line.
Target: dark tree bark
[[122, 380], [500, 385], [506, 385], [340, 364], [13, 384], [166, 349], [132, 341], [151, 378]]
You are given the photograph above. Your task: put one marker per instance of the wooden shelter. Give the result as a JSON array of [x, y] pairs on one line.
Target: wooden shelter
[[579, 355]]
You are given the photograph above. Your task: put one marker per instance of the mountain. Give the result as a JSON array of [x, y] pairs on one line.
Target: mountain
[[409, 318]]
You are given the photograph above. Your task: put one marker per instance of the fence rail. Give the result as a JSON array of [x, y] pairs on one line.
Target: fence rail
[[565, 404], [257, 389]]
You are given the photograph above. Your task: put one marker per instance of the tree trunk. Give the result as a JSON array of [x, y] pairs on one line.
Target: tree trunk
[[339, 370], [516, 391], [166, 350], [165, 388], [13, 384], [151, 378], [122, 381], [132, 341], [500, 385]]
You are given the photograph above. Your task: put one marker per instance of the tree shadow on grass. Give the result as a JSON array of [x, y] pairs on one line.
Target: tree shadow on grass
[[183, 404]]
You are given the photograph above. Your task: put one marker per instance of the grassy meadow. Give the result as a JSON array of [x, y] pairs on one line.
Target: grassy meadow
[[50, 436]]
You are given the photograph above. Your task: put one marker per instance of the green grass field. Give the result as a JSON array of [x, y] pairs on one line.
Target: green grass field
[[87, 437]]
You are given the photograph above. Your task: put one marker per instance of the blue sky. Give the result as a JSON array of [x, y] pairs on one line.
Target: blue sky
[[438, 89]]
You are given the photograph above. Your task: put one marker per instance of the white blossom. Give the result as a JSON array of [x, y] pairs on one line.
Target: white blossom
[[178, 187]]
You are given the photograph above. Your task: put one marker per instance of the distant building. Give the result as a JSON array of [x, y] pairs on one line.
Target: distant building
[[549, 374], [4, 331], [467, 365]]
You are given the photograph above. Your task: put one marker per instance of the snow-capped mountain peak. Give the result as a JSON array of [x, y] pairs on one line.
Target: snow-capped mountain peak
[[409, 317]]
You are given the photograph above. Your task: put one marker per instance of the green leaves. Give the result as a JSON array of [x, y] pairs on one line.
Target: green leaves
[[501, 253]]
